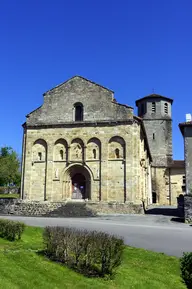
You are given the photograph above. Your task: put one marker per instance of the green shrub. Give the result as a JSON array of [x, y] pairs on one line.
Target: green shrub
[[11, 230], [186, 269], [91, 253]]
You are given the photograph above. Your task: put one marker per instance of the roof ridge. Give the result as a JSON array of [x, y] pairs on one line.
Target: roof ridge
[[81, 78]]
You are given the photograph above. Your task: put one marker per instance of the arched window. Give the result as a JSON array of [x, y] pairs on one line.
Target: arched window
[[153, 107], [166, 108], [94, 153], [78, 111], [117, 153], [39, 156], [61, 154]]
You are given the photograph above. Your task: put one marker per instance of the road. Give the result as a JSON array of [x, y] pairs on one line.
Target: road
[[156, 233]]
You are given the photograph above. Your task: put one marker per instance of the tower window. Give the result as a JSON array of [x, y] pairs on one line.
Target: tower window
[[153, 108], [78, 111], [61, 154], [142, 108], [117, 153], [166, 108], [153, 136]]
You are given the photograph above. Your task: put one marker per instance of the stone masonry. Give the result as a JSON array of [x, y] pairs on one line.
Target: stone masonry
[[66, 209], [186, 130], [82, 144]]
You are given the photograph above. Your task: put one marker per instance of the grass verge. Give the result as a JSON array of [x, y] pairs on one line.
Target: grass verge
[[9, 196], [21, 267]]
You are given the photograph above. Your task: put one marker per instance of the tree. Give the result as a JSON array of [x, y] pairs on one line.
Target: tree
[[9, 167]]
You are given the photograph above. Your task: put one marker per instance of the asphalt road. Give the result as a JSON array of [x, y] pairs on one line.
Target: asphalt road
[[156, 233]]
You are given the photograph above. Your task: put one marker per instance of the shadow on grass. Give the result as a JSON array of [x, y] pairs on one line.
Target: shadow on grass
[[89, 272]]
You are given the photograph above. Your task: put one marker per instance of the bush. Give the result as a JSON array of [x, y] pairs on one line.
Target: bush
[[186, 269], [91, 253], [11, 230]]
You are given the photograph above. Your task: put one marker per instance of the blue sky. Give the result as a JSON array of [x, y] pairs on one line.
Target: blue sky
[[129, 46]]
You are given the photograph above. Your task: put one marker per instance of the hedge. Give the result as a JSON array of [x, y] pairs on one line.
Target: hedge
[[186, 269], [91, 253], [11, 230]]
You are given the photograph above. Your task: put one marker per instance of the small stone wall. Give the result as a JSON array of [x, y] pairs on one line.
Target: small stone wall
[[9, 190], [188, 208], [65, 209]]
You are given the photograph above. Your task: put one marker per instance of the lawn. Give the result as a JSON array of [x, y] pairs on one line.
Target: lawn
[[9, 196], [21, 267]]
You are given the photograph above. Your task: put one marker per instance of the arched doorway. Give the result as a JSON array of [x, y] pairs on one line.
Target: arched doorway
[[77, 183], [78, 186]]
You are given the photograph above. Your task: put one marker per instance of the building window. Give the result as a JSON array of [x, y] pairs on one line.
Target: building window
[[78, 111], [142, 108], [117, 153], [166, 108], [153, 107], [153, 136], [94, 153], [61, 154], [39, 156]]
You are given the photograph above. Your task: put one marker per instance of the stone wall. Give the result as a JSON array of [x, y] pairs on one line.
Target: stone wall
[[122, 178], [188, 158], [188, 208], [176, 178], [66, 209], [9, 190]]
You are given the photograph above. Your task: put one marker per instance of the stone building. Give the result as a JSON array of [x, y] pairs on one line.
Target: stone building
[[83, 144], [186, 130], [168, 175]]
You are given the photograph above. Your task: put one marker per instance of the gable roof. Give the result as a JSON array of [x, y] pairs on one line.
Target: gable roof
[[78, 76], [154, 95]]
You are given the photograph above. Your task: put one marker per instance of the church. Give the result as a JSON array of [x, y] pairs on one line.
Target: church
[[81, 144]]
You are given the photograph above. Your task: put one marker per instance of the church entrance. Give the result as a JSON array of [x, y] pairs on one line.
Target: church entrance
[[77, 183], [78, 186]]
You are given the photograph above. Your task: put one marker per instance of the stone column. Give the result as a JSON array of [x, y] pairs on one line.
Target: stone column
[[49, 173]]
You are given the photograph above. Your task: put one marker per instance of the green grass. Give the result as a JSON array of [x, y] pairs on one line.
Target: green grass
[[22, 268], [9, 196]]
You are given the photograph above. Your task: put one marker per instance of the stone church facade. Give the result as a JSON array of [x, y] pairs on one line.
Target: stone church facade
[[82, 144]]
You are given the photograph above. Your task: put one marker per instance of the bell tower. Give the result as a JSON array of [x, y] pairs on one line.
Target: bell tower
[[155, 110]]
